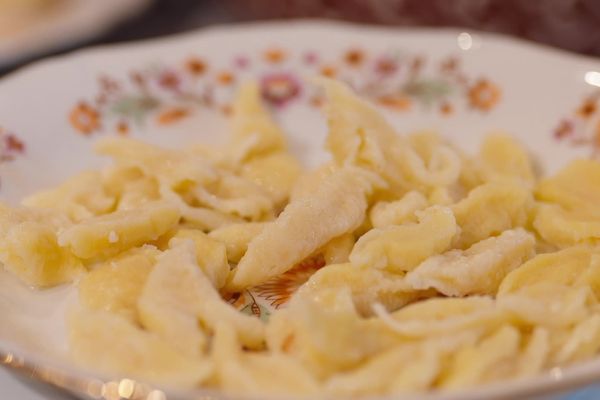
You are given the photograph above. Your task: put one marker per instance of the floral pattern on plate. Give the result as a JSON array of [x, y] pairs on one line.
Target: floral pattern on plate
[[582, 127], [165, 94]]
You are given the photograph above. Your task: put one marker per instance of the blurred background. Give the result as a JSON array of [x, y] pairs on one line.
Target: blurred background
[[569, 24]]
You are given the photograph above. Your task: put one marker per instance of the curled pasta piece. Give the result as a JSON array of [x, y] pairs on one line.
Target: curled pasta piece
[[30, 249], [112, 344], [211, 255], [275, 173], [299, 229], [178, 288], [254, 131], [119, 231], [236, 237], [491, 359], [490, 209], [81, 197], [478, 270], [582, 343], [574, 188], [567, 267], [367, 285], [115, 286], [387, 373], [384, 213], [443, 316], [402, 248], [262, 374], [548, 304], [564, 228], [502, 157], [320, 330]]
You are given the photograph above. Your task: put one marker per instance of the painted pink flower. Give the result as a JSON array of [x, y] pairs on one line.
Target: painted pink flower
[[169, 80], [241, 62], [386, 66], [310, 58], [10, 146], [280, 88]]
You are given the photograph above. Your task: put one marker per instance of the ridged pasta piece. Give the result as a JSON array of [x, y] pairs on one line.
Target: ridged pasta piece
[[341, 200], [398, 212], [477, 270], [402, 248]]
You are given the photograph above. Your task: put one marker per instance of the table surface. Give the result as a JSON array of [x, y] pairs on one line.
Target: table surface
[[164, 17]]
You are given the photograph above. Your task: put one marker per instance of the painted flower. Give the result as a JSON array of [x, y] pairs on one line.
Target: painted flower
[[196, 66], [484, 95], [241, 62], [386, 66], [310, 58], [225, 78], [84, 118], [564, 129], [328, 71], [169, 80], [172, 115], [446, 108], [279, 88], [274, 56], [354, 57], [123, 128], [588, 108], [10, 146], [279, 289], [396, 102]]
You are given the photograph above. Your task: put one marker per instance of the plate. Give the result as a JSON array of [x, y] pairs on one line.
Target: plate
[[60, 25], [178, 90]]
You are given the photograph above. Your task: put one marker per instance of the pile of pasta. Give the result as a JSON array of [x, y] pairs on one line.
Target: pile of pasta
[[443, 270]]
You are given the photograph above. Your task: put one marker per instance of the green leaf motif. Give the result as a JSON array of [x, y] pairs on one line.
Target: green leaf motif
[[134, 107], [428, 91]]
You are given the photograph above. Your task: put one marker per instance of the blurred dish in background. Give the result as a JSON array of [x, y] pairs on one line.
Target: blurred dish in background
[[30, 27], [570, 24]]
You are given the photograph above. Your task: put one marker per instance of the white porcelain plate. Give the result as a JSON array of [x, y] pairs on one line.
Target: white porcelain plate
[[178, 90], [61, 24]]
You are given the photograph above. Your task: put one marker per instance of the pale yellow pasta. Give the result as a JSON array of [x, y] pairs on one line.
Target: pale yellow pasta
[[386, 373], [298, 231], [112, 344], [116, 285], [211, 255], [399, 265], [29, 247], [403, 247], [254, 133], [236, 237], [178, 287], [337, 251], [387, 213], [491, 209], [275, 173], [367, 285], [492, 358], [112, 233], [502, 157], [80, 197], [477, 270]]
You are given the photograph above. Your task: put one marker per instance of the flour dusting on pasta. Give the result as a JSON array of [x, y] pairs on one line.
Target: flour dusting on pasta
[[428, 269]]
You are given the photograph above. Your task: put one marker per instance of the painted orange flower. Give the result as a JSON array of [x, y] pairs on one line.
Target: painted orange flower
[[484, 95], [225, 78], [172, 115], [274, 56], [588, 108], [279, 289], [196, 66], [84, 118], [354, 57], [226, 109], [446, 108], [396, 102], [328, 71]]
